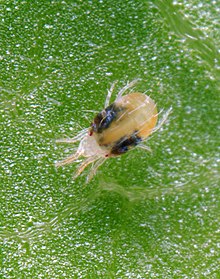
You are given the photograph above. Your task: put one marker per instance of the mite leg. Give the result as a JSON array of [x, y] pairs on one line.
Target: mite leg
[[68, 160], [78, 137], [126, 87], [108, 97], [84, 165], [164, 118], [94, 168], [145, 147]]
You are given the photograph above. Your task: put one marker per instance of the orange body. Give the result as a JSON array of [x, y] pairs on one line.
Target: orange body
[[125, 123]]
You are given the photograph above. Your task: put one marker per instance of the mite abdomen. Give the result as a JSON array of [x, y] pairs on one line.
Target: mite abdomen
[[135, 112]]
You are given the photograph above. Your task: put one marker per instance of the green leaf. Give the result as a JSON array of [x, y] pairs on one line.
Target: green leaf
[[144, 215]]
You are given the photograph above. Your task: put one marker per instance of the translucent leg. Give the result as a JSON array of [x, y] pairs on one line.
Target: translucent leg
[[164, 118], [110, 94], [94, 168], [126, 87], [68, 160], [84, 165], [78, 137], [145, 147]]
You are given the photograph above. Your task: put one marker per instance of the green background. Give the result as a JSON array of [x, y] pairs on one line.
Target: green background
[[144, 215]]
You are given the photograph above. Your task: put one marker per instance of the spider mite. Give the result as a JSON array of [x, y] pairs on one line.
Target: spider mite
[[120, 126]]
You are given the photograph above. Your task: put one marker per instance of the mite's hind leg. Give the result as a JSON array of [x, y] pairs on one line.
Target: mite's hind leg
[[145, 147], [126, 87], [108, 97], [94, 168], [68, 160], [84, 164], [164, 118]]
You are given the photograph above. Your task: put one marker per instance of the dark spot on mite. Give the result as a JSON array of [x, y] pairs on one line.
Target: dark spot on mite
[[125, 143], [104, 119]]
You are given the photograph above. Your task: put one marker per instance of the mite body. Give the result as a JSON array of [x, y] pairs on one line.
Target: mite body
[[125, 123], [122, 125]]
